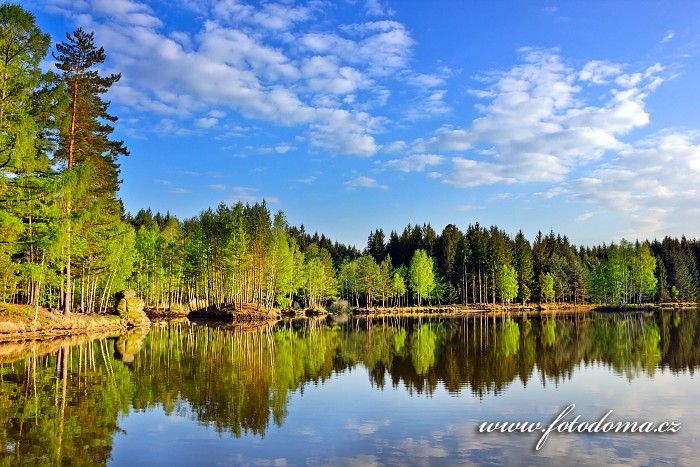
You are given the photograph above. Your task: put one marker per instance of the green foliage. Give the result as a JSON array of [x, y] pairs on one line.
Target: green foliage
[[626, 276], [546, 287], [549, 335], [422, 277], [398, 285], [369, 279], [399, 341], [510, 338], [320, 284], [508, 284], [385, 279], [26, 193], [423, 348]]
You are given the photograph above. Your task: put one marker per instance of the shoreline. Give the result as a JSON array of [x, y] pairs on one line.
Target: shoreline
[[17, 323]]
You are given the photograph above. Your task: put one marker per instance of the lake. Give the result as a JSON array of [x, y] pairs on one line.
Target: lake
[[393, 391]]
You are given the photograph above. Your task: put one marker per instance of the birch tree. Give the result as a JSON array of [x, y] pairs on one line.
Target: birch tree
[[422, 278]]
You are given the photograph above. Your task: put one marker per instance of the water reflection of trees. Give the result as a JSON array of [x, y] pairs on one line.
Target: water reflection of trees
[[63, 407]]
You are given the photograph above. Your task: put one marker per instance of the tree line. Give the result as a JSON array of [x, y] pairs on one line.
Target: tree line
[[67, 244]]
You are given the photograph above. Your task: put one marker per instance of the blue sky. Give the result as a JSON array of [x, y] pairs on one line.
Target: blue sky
[[577, 116]]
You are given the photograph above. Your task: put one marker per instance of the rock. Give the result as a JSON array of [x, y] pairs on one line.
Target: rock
[[129, 344], [130, 308]]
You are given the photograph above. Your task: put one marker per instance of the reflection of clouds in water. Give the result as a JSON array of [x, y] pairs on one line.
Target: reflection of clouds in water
[[414, 451], [363, 460], [309, 434], [240, 459], [665, 397], [367, 428], [481, 448], [280, 462], [422, 448]]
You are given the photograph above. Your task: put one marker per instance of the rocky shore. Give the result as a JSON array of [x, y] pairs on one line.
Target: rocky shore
[[24, 322]]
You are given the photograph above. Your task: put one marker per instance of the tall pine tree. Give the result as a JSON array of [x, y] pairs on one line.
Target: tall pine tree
[[85, 144]]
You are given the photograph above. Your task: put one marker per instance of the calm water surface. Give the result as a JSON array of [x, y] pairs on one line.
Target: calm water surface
[[361, 392]]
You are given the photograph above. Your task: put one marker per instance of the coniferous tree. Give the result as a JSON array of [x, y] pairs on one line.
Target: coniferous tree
[[85, 142], [523, 266], [375, 245], [447, 249]]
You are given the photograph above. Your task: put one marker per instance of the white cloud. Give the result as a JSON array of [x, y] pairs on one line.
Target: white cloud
[[415, 163], [274, 16], [245, 194], [599, 72], [469, 207], [538, 125], [584, 217], [128, 12], [552, 192], [250, 195], [395, 146], [377, 8], [284, 148], [325, 74], [652, 186], [342, 132], [206, 122], [306, 180], [429, 105], [381, 47], [469, 173], [251, 61], [279, 149], [669, 35], [364, 182]]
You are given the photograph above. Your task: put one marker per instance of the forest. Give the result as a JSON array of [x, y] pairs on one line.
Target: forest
[[67, 244]]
